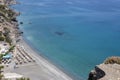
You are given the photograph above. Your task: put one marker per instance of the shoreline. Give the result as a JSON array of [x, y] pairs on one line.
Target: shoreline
[[38, 53], [42, 61]]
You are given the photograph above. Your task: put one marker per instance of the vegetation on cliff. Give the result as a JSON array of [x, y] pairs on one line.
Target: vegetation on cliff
[[5, 35], [1, 67], [8, 23], [7, 13], [2, 38], [112, 60], [23, 79]]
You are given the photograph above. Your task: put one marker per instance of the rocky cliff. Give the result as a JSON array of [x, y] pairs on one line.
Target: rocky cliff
[[109, 70], [8, 24]]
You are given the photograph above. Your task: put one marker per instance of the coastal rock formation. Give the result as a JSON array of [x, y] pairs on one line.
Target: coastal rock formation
[[106, 71], [96, 74]]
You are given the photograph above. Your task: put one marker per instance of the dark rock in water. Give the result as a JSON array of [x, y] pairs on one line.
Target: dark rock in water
[[21, 22], [29, 23], [96, 74], [21, 32], [59, 33]]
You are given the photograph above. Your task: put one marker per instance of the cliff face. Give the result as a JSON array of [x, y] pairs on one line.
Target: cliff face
[[8, 24], [106, 71]]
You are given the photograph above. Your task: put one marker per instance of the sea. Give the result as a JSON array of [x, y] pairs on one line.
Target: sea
[[75, 35]]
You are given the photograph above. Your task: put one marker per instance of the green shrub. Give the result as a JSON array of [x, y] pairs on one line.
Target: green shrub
[[0, 33], [23, 79], [8, 39], [2, 7], [112, 60], [11, 48], [6, 31], [2, 38], [7, 13]]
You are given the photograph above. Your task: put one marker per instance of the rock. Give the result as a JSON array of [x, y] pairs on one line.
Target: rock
[[96, 74], [21, 22], [29, 23], [105, 72], [59, 33], [92, 75]]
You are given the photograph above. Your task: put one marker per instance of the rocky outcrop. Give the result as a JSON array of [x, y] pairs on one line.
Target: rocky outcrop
[[96, 74], [105, 72]]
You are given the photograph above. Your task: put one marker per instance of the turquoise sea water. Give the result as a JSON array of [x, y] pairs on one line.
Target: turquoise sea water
[[75, 35]]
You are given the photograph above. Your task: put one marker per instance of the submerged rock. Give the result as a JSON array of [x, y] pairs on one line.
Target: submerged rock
[[59, 33], [21, 22], [29, 23]]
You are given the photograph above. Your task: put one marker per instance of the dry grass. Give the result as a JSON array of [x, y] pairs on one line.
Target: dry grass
[[112, 60]]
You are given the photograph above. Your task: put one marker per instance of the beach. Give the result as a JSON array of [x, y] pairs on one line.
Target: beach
[[61, 39], [41, 69]]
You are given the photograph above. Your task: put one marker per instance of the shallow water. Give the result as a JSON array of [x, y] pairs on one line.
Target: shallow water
[[74, 34]]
